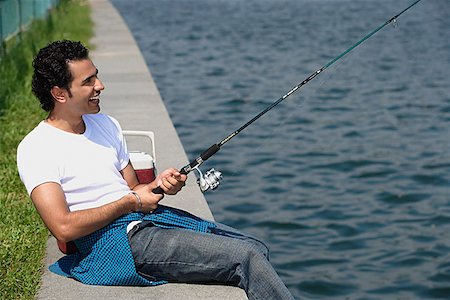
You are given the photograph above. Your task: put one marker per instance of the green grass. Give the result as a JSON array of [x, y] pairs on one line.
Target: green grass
[[23, 236]]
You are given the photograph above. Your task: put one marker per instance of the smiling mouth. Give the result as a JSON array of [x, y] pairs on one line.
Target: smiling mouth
[[95, 99]]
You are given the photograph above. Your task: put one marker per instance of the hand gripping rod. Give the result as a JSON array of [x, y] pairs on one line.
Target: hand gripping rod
[[216, 147]]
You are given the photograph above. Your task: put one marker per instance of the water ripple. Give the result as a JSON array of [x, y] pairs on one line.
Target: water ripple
[[326, 288], [401, 198]]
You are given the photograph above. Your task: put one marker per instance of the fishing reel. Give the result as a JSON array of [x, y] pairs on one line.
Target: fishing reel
[[210, 180]]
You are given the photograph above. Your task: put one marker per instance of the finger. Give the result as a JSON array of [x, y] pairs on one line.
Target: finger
[[166, 184], [170, 172], [173, 180], [172, 186], [180, 177]]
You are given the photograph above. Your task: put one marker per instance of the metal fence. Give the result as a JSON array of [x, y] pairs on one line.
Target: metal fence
[[16, 15]]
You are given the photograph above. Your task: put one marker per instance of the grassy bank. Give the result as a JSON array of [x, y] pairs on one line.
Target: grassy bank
[[22, 234]]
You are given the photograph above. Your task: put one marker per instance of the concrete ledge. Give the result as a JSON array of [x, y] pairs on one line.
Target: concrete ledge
[[132, 97], [55, 287]]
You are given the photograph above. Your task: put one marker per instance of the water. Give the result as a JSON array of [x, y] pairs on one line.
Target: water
[[347, 180]]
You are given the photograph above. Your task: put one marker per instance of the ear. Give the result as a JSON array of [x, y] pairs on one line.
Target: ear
[[59, 94]]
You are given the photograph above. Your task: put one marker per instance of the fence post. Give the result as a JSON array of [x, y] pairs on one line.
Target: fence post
[[19, 2], [2, 47]]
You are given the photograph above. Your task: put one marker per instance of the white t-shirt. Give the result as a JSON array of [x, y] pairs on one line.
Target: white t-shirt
[[87, 166]]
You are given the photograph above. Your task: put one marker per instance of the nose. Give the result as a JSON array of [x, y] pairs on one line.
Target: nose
[[99, 85]]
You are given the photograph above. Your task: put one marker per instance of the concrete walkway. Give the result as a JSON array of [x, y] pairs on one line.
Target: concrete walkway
[[132, 97]]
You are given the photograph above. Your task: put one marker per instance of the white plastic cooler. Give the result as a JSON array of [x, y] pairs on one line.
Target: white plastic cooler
[[143, 162]]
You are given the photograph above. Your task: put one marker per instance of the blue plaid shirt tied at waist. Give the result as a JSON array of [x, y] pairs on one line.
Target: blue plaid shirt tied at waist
[[105, 257]]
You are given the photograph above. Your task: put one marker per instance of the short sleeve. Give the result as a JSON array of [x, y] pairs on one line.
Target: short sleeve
[[35, 166], [122, 151]]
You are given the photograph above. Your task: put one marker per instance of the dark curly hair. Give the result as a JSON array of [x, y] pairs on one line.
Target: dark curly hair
[[51, 69]]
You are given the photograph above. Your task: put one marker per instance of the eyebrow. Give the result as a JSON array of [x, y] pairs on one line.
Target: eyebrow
[[90, 77]]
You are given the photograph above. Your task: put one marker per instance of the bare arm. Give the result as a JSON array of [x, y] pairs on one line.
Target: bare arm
[[66, 226], [50, 202]]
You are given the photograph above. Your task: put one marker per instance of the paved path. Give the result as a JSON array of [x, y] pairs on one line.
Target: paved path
[[132, 97]]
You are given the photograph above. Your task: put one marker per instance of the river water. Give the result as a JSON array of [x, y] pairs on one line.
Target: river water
[[348, 180]]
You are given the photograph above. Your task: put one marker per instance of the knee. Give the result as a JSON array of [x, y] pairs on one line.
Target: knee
[[265, 250], [261, 247], [250, 253]]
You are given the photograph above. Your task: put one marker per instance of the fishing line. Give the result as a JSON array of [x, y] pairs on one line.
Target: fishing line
[[210, 180]]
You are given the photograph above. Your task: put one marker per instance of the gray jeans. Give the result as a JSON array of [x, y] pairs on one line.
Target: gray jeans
[[224, 256]]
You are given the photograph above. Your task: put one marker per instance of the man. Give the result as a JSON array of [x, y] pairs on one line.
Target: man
[[76, 168]]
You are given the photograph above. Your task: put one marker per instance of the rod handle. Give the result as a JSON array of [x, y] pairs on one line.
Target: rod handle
[[210, 152], [157, 190]]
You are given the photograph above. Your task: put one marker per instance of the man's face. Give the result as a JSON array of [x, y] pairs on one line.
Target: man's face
[[85, 89]]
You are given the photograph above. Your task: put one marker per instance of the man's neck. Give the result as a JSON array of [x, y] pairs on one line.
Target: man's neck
[[72, 125]]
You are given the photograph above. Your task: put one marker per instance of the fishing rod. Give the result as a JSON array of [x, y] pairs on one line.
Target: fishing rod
[[210, 180]]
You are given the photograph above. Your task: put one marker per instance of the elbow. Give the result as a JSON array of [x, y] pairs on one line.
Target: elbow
[[63, 234]]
